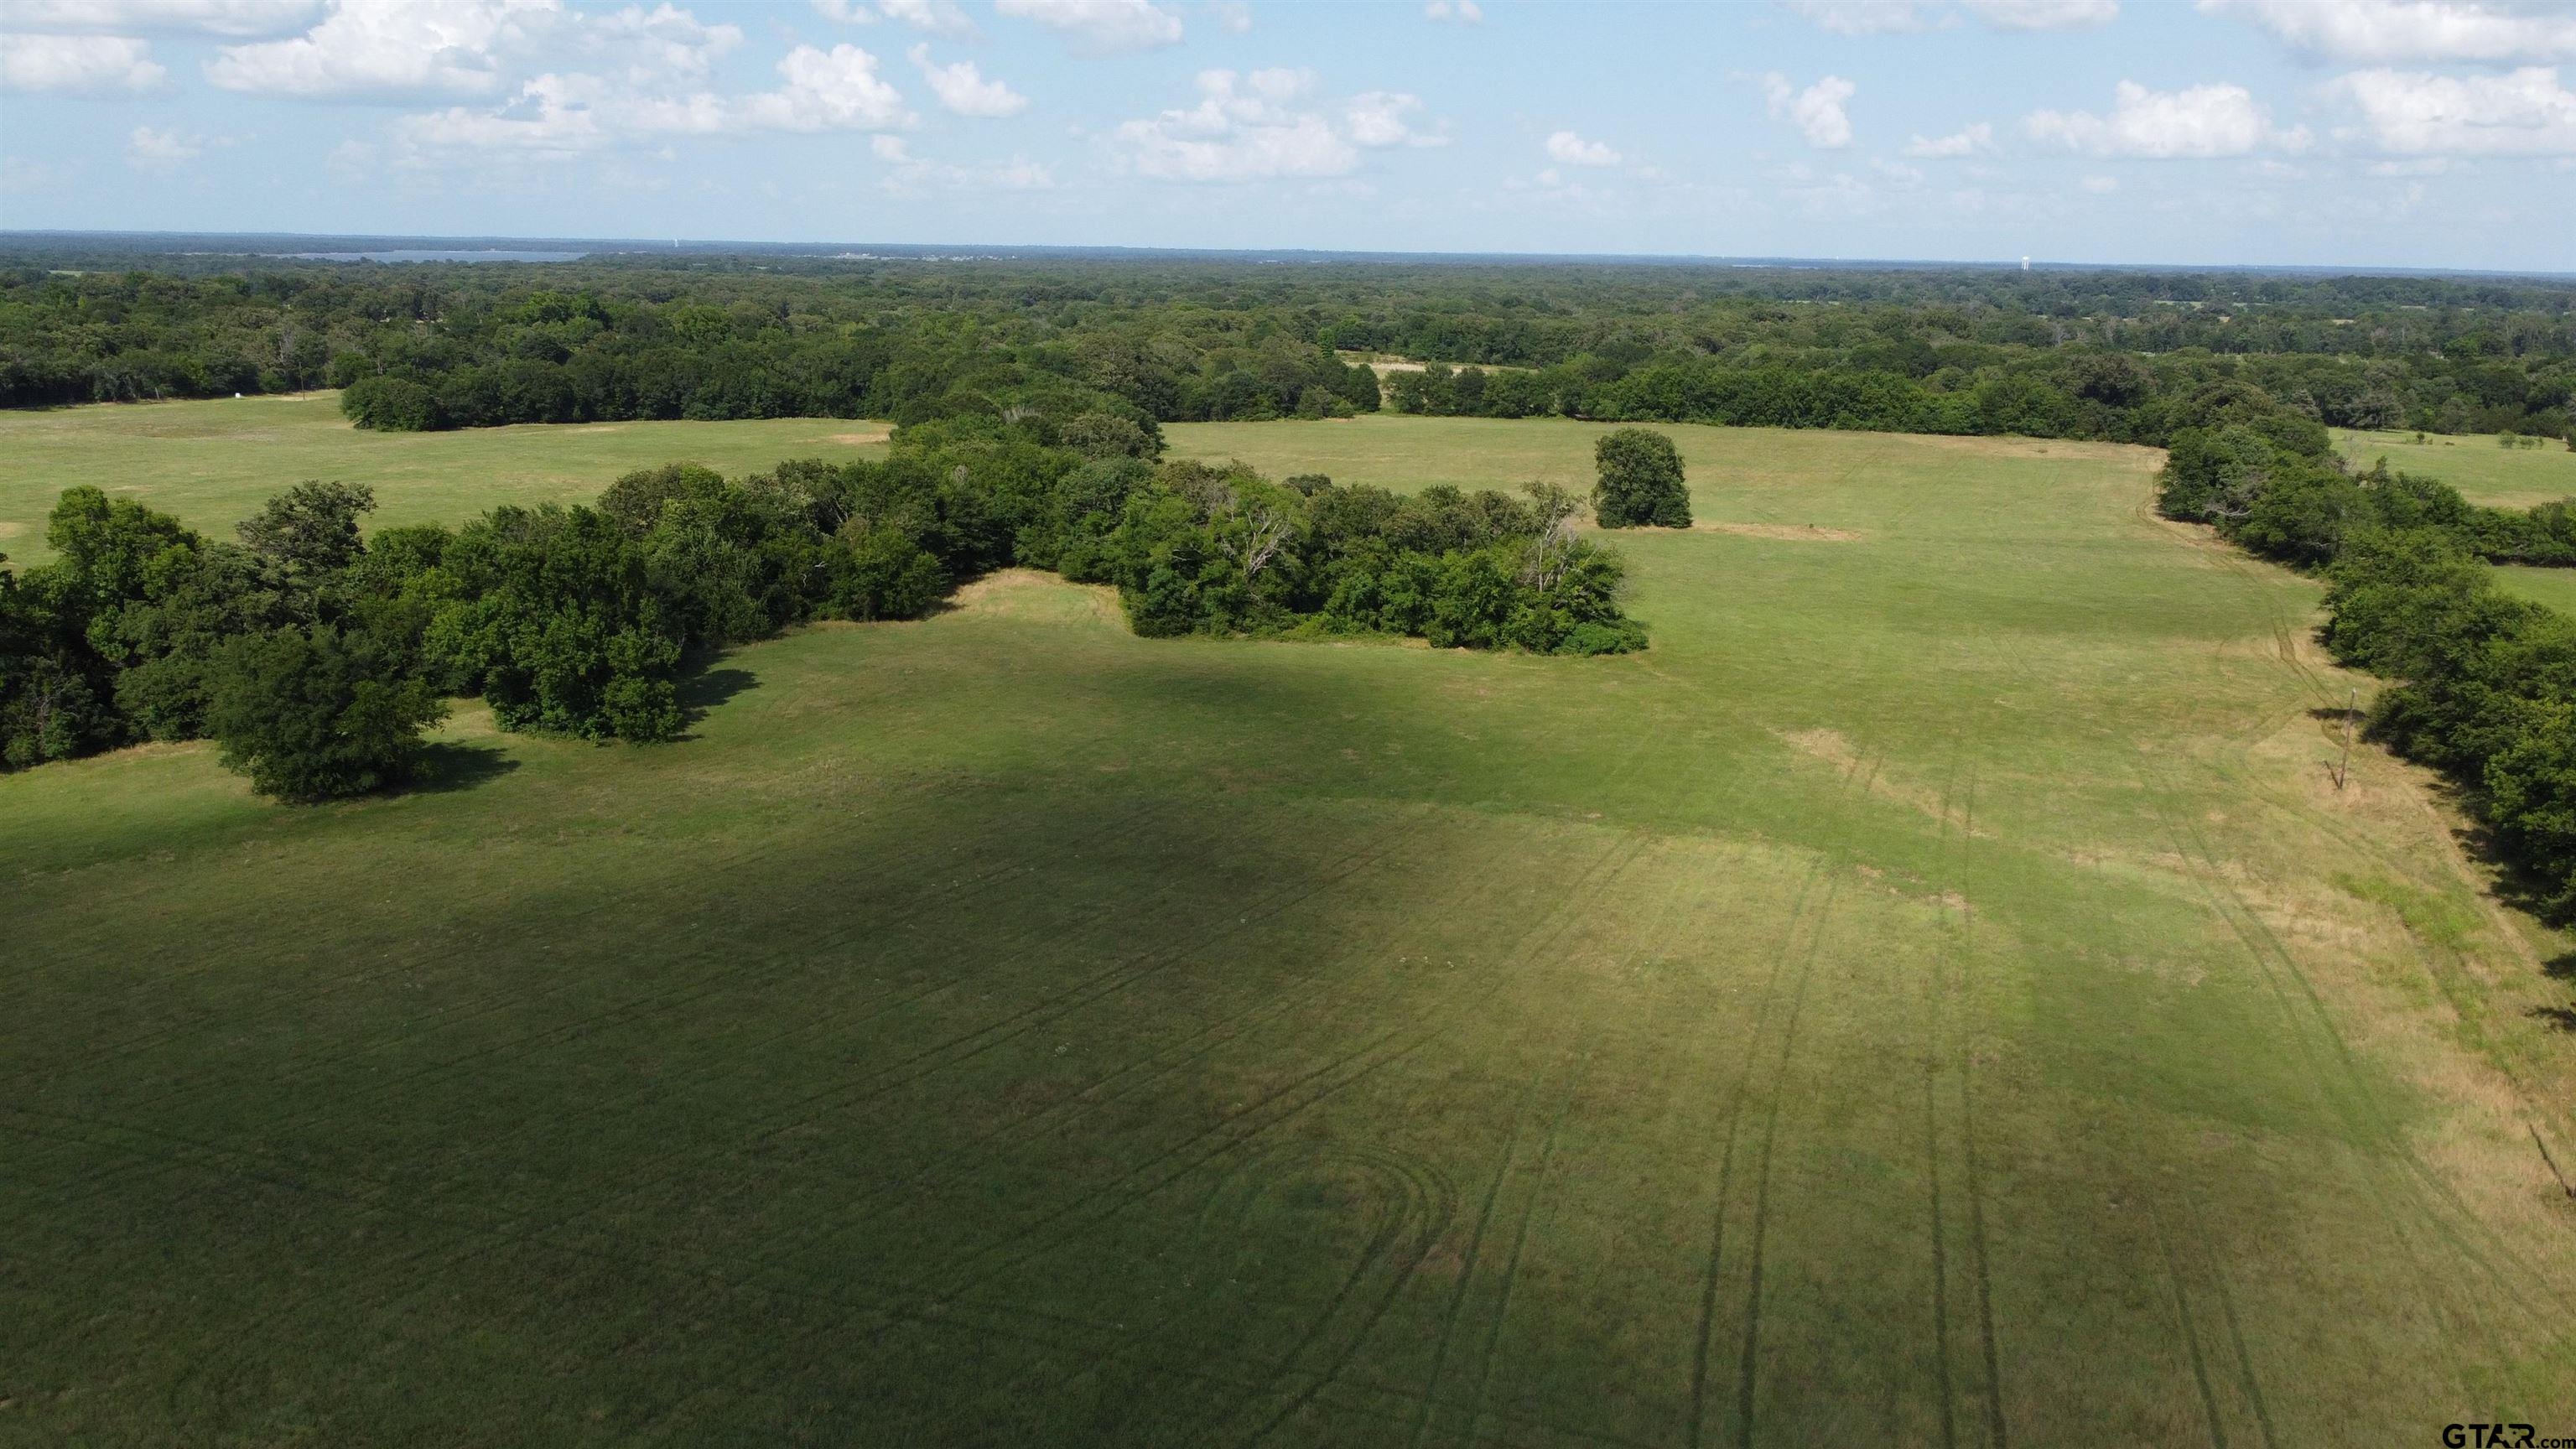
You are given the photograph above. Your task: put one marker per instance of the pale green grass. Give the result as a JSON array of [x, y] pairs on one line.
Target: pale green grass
[[2554, 587], [1934, 996], [214, 462], [2483, 471]]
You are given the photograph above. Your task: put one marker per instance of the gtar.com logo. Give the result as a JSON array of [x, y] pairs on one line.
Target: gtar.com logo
[[2488, 1436]]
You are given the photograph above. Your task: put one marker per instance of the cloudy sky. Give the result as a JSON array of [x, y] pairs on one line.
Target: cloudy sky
[[2438, 133]]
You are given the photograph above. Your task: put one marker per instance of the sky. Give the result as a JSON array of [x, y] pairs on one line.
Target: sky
[[2382, 133]]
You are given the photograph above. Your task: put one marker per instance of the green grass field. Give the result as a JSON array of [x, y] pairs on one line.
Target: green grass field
[[2474, 464], [2554, 587], [1935, 995], [213, 463]]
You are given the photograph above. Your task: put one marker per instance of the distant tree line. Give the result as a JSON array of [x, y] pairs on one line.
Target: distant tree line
[[2483, 686], [2109, 355], [316, 657]]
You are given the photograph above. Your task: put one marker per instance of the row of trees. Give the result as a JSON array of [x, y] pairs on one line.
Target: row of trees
[[317, 657], [2483, 686], [777, 334]]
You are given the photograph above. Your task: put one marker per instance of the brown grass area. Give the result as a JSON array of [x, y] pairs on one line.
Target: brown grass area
[[861, 439], [1794, 532]]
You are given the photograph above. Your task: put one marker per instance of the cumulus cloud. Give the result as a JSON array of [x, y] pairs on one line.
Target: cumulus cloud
[[1459, 12], [236, 19], [167, 150], [2200, 122], [2045, 14], [939, 17], [561, 116], [94, 65], [1234, 15], [1569, 149], [1969, 140], [1859, 17], [845, 12], [962, 89], [1817, 111], [391, 49], [1102, 27], [2418, 31], [390, 46], [2522, 113], [1265, 126]]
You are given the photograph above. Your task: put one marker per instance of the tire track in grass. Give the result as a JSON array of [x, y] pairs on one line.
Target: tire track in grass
[[1479, 1399], [965, 1046], [1361, 1062], [1995, 1434], [1467, 1270], [1709, 1282], [2353, 1101], [1665, 930], [2181, 1302], [2203, 875], [1612, 862], [1284, 998], [2247, 1381], [1932, 1053], [1751, 1364]]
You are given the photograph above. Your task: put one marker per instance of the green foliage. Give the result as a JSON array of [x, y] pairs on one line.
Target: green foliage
[[1640, 481], [314, 714]]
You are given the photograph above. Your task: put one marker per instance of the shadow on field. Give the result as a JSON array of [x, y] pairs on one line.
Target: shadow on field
[[702, 693], [449, 766]]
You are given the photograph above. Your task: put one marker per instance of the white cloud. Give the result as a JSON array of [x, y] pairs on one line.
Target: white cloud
[[2100, 185], [2203, 121], [1101, 27], [561, 116], [834, 90], [78, 64], [1264, 126], [845, 12], [1462, 12], [1969, 140], [391, 46], [162, 150], [1378, 118], [918, 174], [1234, 15], [2045, 14], [2523, 113], [939, 17], [962, 89], [1860, 17], [2419, 31], [233, 18], [890, 148], [390, 49], [1567, 148], [1817, 111]]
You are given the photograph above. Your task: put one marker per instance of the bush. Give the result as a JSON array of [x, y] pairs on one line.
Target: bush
[[1640, 481], [311, 714]]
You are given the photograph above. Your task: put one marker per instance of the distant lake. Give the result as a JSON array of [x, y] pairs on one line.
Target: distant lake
[[416, 255]]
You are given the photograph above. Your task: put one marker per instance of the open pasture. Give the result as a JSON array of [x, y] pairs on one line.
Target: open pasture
[[2483, 470], [213, 463], [1936, 995]]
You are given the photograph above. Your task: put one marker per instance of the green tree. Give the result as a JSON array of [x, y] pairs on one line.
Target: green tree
[[1640, 481], [313, 714]]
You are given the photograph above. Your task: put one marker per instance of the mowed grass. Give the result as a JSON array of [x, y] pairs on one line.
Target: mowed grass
[[2554, 587], [214, 462], [2483, 470], [1935, 996]]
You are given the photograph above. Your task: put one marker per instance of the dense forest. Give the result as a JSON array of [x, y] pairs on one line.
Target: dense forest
[[2096, 354], [315, 656]]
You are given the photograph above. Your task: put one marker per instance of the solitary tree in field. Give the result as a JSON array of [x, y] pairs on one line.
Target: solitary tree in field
[[1641, 481]]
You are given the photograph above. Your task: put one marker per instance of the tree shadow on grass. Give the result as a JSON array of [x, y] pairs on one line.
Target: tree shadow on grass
[[702, 692], [446, 766], [2561, 1017]]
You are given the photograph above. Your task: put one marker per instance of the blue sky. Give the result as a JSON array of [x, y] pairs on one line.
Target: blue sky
[[2436, 133]]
